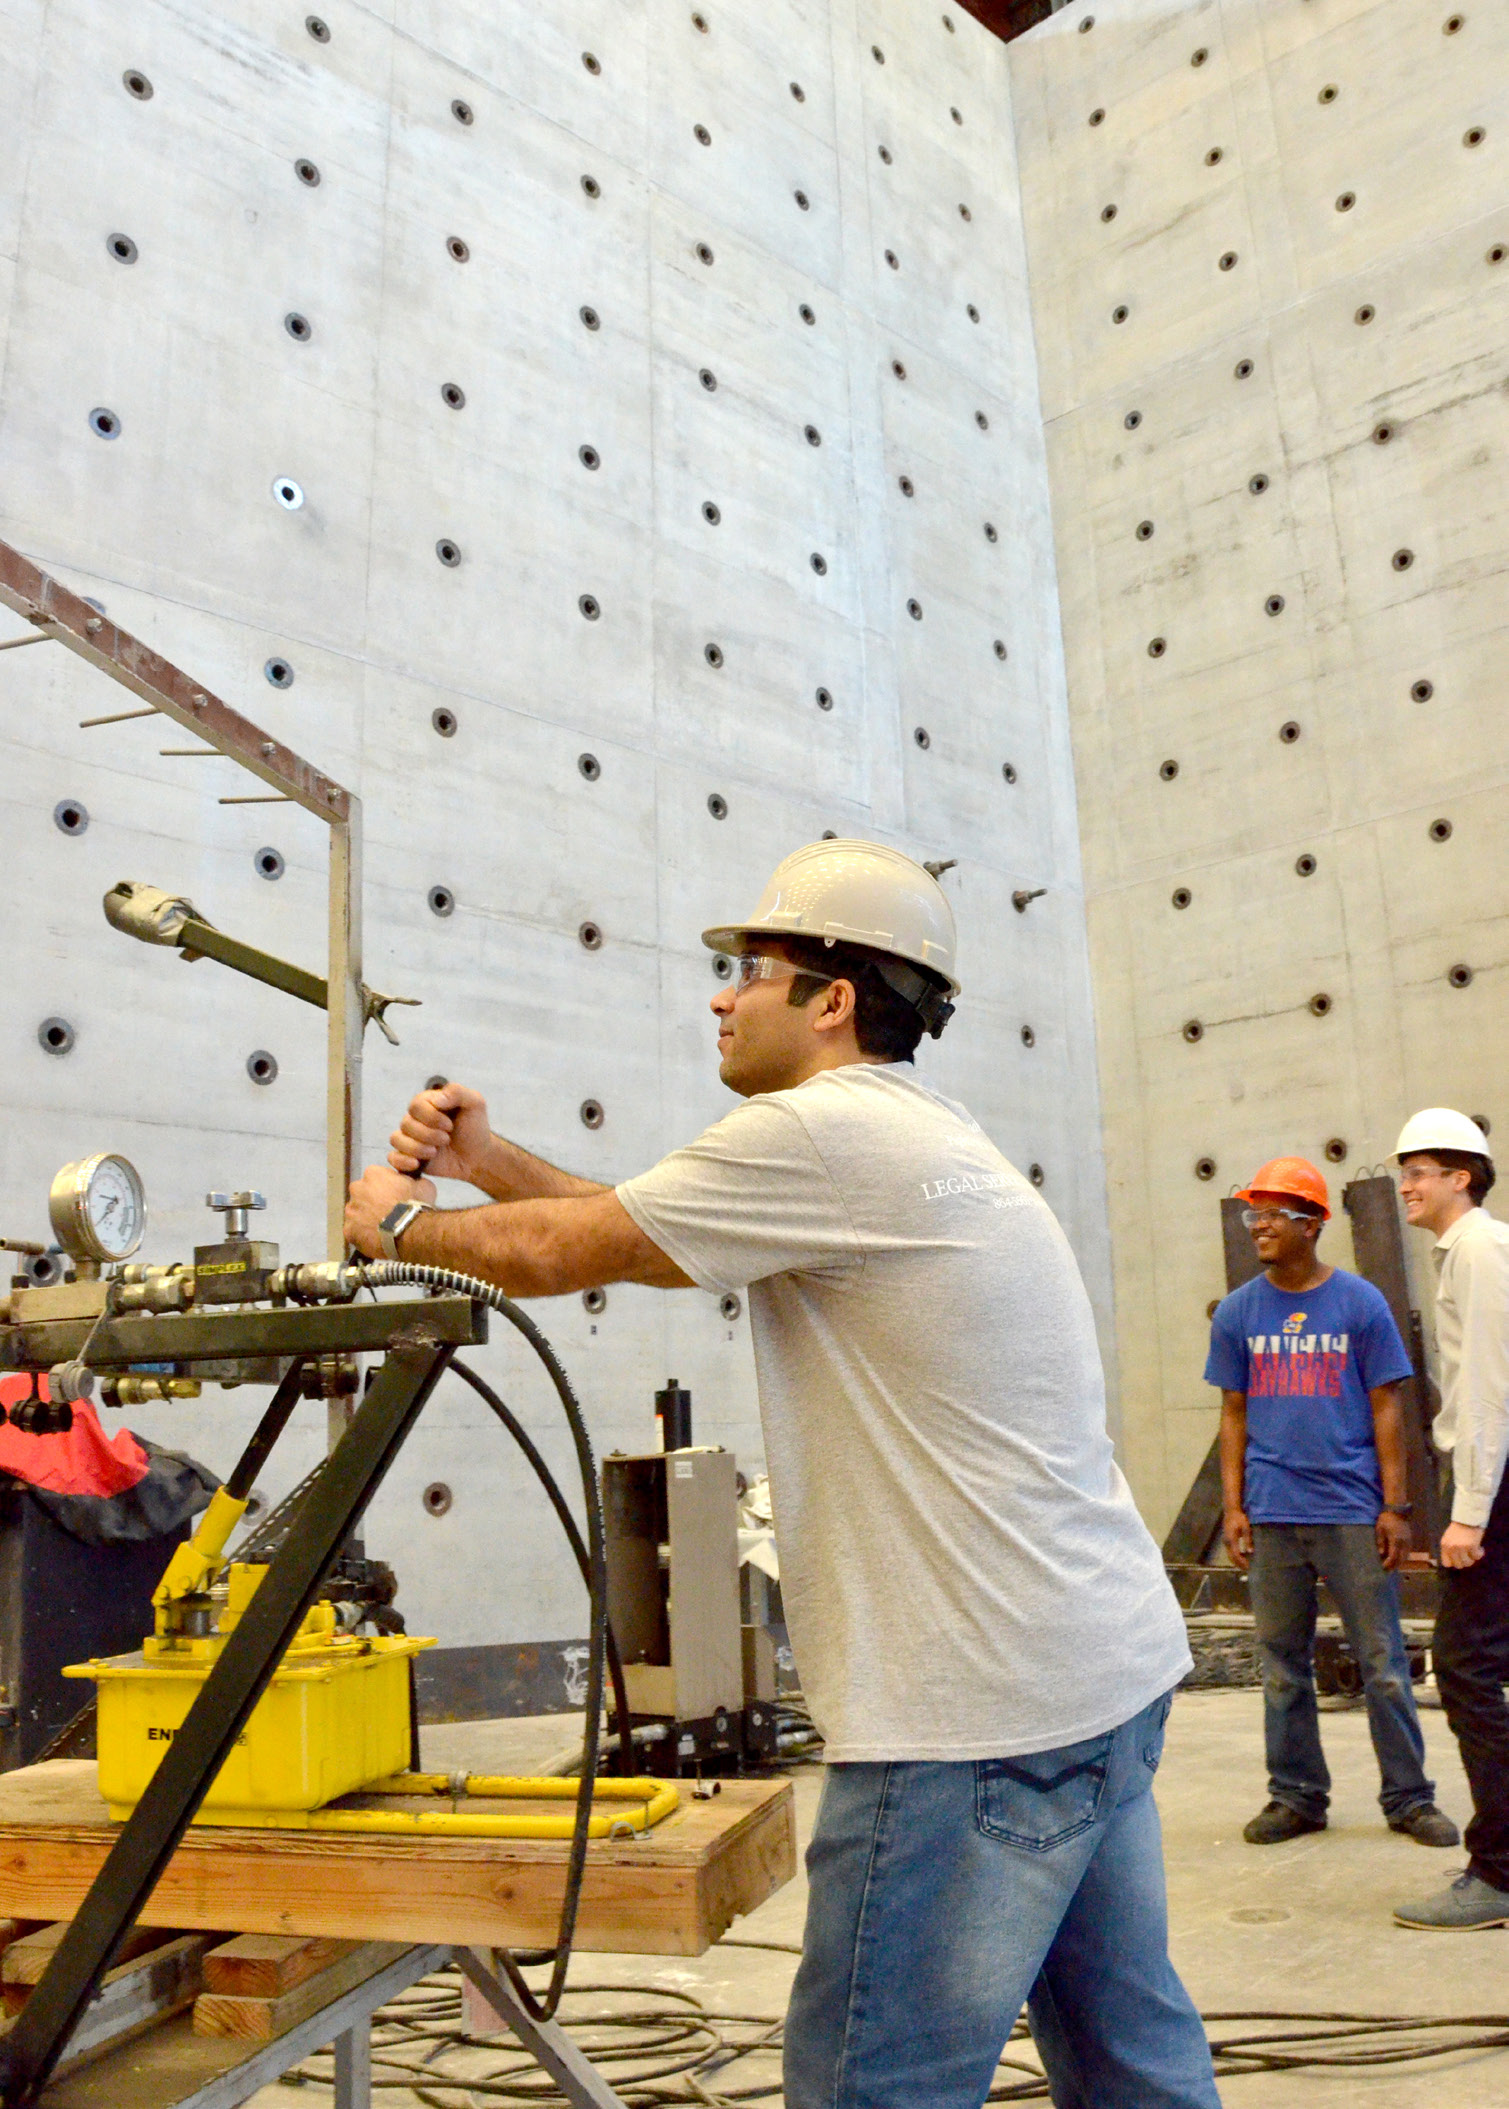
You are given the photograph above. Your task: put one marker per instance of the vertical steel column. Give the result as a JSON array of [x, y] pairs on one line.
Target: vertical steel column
[[344, 1022]]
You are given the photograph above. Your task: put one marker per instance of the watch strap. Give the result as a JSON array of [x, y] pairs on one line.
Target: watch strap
[[395, 1223]]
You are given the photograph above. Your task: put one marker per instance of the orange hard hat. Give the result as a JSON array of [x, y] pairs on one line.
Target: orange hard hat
[[1290, 1175]]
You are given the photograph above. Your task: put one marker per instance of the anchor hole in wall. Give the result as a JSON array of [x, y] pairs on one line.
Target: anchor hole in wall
[[1382, 434], [448, 552], [1212, 1307], [893, 259], [1181, 896], [456, 249], [1108, 212], [589, 766], [1243, 369], [1402, 559], [1120, 312], [138, 85], [1168, 770], [278, 673], [699, 23], [56, 1036], [1144, 530], [804, 203], [948, 23], [1497, 253], [1305, 865], [1482, 1121], [1087, 25], [594, 1302], [1274, 604], [1320, 1004], [806, 313], [813, 437], [982, 421], [708, 379], [885, 155], [1029, 1037], [1205, 1167], [70, 816], [819, 563], [307, 173], [1132, 420], [122, 248], [590, 937], [906, 486], [298, 326], [1459, 976], [1229, 260], [1289, 731], [1328, 93], [922, 736], [452, 395], [590, 318], [1452, 24], [1097, 117], [436, 1497], [1008, 772], [711, 513], [914, 609], [713, 654], [1336, 1150], [290, 495], [442, 901], [589, 607], [1440, 831], [798, 92], [463, 112], [1036, 1174], [898, 369], [317, 28], [965, 213], [592, 187], [1213, 157], [105, 424], [591, 61], [702, 135], [1156, 647], [723, 966], [999, 647], [972, 311], [990, 532], [1257, 484], [589, 457], [1365, 314], [956, 113], [824, 699], [1193, 1030], [717, 805], [261, 1066], [268, 863], [1423, 691], [1474, 136], [444, 721], [877, 54], [1198, 58]]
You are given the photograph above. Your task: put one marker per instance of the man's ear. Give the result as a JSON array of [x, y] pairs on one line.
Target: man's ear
[[837, 1007]]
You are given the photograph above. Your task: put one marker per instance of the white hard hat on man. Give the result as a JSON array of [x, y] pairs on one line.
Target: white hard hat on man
[[1439, 1128], [860, 893]]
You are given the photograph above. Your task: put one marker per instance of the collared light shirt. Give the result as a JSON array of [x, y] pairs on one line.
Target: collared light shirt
[[1471, 1260]]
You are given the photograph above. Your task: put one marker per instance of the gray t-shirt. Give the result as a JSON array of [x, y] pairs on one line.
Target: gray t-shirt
[[964, 1572]]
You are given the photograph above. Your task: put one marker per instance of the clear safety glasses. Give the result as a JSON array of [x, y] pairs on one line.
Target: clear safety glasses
[[760, 966], [1252, 1217]]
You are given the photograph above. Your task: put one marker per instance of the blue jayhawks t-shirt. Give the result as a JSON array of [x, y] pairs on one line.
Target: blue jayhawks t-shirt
[[1307, 1363]]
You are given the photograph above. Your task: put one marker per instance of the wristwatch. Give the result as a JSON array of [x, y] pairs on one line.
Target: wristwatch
[[396, 1222], [1398, 1508]]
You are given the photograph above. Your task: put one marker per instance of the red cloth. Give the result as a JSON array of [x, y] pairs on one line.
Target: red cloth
[[84, 1461]]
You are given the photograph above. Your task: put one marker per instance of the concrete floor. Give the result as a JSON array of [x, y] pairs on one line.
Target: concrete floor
[[1302, 1927]]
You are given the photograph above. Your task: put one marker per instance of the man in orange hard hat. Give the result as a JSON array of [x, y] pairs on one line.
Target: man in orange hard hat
[[1313, 1481]]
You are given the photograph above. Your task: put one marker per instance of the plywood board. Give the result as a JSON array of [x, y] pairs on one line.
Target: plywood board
[[672, 1892]]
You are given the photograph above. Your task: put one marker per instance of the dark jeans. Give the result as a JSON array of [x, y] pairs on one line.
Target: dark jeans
[[1288, 1560], [1471, 1652]]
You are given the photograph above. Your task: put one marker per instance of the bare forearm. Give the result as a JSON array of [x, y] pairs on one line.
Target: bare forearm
[[510, 1173], [542, 1247], [1233, 1450], [1388, 1435]]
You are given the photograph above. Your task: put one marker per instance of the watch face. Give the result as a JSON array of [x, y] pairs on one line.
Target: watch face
[[98, 1208]]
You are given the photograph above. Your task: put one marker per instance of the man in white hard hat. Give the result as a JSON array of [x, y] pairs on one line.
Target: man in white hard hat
[[1445, 1174], [986, 1636]]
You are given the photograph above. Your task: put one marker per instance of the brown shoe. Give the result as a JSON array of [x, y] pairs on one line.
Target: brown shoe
[[1271, 1826]]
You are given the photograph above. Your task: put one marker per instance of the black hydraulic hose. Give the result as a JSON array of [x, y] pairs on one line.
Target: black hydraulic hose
[[574, 1538], [381, 1274], [269, 1428]]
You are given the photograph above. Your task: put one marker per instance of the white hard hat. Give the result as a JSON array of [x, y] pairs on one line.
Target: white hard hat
[[1438, 1128], [859, 893]]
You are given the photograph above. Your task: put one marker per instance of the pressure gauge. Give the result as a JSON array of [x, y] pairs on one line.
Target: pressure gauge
[[98, 1208]]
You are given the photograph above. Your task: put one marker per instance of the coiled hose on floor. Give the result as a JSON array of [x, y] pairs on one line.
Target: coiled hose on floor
[[393, 1274]]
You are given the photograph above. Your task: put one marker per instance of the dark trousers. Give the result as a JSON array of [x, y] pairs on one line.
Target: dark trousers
[[1471, 1653]]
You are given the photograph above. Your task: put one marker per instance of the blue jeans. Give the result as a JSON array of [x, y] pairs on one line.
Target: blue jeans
[[1288, 1559], [944, 1895]]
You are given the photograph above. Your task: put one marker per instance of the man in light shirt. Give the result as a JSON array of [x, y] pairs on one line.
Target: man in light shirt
[[1445, 1175], [986, 1636]]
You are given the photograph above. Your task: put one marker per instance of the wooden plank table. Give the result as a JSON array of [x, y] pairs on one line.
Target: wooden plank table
[[671, 1891]]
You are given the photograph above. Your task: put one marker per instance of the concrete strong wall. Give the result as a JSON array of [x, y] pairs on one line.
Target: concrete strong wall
[[767, 398], [1269, 250]]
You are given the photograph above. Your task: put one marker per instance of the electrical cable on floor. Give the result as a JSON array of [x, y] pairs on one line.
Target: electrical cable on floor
[[665, 2047]]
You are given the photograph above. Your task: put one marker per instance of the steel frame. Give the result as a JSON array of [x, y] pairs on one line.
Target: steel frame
[[59, 614]]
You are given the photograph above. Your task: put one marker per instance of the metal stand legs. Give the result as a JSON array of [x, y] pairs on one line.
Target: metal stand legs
[[576, 2076]]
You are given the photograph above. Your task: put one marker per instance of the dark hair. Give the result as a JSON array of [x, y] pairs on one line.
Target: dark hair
[[1481, 1174], [886, 1026]]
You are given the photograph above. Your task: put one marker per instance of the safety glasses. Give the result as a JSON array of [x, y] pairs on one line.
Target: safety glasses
[[1252, 1217], [760, 966]]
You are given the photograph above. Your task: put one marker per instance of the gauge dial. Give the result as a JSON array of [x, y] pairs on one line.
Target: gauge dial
[[98, 1208]]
